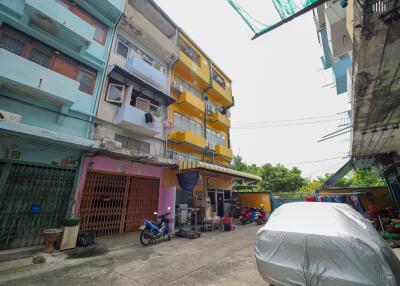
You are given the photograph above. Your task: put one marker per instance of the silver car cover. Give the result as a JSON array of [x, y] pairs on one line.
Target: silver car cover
[[312, 243]]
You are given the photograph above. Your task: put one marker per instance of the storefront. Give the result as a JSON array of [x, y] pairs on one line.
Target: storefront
[[211, 190], [38, 175], [115, 196]]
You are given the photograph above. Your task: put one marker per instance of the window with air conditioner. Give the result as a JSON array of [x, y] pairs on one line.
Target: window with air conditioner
[[143, 104], [122, 47], [115, 93]]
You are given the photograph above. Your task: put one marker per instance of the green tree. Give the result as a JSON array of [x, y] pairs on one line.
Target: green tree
[[366, 177], [311, 186], [278, 178]]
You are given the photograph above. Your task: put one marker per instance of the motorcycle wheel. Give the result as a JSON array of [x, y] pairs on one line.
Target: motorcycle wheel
[[146, 237]]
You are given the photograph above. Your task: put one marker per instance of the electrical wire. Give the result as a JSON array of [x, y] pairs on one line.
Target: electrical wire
[[284, 125], [288, 120], [318, 161]]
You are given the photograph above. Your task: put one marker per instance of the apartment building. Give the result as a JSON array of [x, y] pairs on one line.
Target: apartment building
[[198, 137], [53, 55], [129, 125]]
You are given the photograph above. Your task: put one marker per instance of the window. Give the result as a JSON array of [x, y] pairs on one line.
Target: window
[[11, 44], [40, 58], [122, 47], [64, 3], [115, 93], [184, 123], [133, 144], [143, 104], [87, 80], [100, 32], [218, 79], [187, 50], [144, 147], [155, 110], [147, 59], [177, 121]]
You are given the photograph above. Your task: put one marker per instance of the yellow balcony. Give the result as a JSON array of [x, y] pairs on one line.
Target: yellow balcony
[[188, 138], [191, 104], [219, 121], [192, 65], [223, 151]]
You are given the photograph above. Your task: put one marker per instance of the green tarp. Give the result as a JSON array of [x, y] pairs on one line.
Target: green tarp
[[271, 13]]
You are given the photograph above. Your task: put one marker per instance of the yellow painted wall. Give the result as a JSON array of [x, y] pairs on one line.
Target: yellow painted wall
[[380, 195], [219, 94], [189, 70], [254, 200]]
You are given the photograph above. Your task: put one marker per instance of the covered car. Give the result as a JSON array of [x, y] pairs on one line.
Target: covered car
[[323, 244]]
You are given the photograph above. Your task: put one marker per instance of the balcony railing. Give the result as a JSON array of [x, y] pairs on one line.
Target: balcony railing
[[17, 72], [60, 22], [134, 119]]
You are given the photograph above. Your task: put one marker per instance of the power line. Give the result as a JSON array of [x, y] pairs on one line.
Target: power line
[[318, 161], [288, 120], [284, 125]]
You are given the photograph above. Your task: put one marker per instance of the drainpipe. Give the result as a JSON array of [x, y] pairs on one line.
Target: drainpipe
[[209, 86], [103, 77], [174, 60]]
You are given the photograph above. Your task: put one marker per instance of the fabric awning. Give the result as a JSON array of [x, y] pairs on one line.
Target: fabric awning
[[197, 165]]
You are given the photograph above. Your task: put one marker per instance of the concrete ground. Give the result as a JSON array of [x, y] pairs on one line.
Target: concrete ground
[[217, 258]]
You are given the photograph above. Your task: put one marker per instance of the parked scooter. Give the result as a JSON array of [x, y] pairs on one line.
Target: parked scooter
[[261, 217], [152, 231]]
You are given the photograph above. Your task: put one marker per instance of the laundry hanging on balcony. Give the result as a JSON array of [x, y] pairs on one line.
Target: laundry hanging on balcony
[[267, 15]]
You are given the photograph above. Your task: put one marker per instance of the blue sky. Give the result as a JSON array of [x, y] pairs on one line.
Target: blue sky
[[276, 77]]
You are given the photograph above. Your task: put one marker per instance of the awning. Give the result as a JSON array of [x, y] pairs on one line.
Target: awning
[[118, 73], [191, 165]]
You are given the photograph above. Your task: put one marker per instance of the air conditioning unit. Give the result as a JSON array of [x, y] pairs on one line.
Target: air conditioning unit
[[110, 144], [210, 107], [178, 87], [9, 116]]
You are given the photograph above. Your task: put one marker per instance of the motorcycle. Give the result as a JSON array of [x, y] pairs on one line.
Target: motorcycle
[[152, 231]]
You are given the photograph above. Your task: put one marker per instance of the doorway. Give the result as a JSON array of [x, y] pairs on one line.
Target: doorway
[[117, 203], [220, 204]]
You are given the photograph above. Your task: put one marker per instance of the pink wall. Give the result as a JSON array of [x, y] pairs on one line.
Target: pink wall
[[103, 163], [167, 199]]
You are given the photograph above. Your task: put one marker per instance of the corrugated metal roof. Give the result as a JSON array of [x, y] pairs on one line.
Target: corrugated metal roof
[[187, 165]]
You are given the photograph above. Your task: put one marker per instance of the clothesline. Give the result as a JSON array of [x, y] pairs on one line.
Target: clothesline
[[338, 194]]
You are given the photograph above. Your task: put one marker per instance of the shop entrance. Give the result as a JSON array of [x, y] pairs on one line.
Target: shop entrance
[[220, 204], [217, 202], [33, 197], [113, 204]]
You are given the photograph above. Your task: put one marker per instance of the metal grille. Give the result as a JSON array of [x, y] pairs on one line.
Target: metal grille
[[113, 204], [32, 198], [142, 202]]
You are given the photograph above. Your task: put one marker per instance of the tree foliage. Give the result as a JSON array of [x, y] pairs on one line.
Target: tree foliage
[[275, 178], [278, 178]]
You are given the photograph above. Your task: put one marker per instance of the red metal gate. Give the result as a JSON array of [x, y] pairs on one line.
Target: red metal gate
[[114, 204]]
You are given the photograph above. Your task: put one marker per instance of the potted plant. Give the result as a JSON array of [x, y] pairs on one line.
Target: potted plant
[[70, 234]]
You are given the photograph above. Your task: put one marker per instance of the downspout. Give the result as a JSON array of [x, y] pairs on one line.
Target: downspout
[[103, 78], [209, 86], [174, 60]]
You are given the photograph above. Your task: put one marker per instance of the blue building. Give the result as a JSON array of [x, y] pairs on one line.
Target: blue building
[[53, 56], [330, 21]]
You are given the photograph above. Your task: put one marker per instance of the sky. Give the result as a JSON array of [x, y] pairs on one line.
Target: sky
[[278, 76]]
